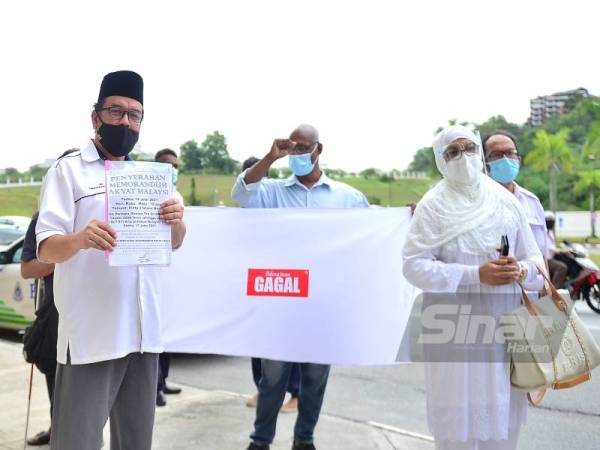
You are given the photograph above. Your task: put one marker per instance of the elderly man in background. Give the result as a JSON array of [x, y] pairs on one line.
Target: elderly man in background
[[504, 161], [293, 386], [308, 187]]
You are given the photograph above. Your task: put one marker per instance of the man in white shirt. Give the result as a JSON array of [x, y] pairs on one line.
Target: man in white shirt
[[504, 161], [308, 187], [109, 324]]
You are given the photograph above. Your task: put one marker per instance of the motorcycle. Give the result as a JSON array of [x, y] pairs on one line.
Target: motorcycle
[[583, 276]]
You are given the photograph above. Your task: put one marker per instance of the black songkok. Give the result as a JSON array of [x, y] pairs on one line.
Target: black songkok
[[124, 83]]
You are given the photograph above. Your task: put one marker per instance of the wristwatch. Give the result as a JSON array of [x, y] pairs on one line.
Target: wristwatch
[[523, 274]]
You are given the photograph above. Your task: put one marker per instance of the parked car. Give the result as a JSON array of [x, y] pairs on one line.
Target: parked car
[[18, 222], [16, 294], [8, 235]]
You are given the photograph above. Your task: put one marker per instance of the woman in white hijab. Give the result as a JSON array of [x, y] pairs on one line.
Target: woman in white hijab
[[451, 252]]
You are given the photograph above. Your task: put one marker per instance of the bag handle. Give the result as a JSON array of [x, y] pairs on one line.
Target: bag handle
[[528, 303], [539, 396], [556, 297]]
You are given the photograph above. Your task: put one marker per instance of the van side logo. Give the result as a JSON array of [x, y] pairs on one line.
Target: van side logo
[[277, 283]]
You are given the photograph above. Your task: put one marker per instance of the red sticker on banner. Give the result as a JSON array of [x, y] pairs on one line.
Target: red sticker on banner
[[277, 283]]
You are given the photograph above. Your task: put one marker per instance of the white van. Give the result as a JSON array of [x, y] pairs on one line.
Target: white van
[[16, 294]]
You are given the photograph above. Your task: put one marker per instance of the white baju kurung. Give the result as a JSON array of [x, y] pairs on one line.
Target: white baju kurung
[[470, 405], [473, 401]]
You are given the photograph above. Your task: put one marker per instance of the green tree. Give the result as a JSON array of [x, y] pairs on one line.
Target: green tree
[[192, 156], [371, 172], [214, 149], [37, 172], [551, 154], [589, 180], [336, 173], [579, 120], [423, 161], [500, 123], [592, 142], [385, 178]]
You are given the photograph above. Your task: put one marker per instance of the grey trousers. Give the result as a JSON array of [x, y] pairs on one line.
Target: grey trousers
[[86, 395]]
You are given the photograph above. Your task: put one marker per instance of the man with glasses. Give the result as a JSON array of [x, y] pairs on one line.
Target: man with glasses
[[307, 187], [503, 162], [293, 386], [109, 322]]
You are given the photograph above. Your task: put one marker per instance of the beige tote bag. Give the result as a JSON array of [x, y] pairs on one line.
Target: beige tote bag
[[549, 345]]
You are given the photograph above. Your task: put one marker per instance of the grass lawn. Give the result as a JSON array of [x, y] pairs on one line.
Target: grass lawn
[[215, 189], [212, 189], [395, 193], [19, 201]]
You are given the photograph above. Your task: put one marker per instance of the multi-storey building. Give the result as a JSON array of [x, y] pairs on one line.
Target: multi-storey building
[[546, 106]]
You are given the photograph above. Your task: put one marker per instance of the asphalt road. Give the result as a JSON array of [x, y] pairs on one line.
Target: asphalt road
[[394, 396]]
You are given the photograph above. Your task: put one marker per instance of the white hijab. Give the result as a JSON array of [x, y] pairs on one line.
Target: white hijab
[[466, 210]]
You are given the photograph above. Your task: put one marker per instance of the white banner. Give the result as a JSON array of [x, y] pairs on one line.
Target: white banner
[[302, 285]]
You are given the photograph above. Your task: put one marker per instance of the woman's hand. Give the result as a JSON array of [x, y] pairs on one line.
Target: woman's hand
[[504, 270]]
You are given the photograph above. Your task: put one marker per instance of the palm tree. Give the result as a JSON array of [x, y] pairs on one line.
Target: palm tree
[[551, 154], [589, 180]]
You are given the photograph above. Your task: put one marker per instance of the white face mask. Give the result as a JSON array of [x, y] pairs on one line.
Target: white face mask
[[465, 170]]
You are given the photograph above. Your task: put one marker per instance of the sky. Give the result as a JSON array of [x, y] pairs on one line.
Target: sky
[[375, 77]]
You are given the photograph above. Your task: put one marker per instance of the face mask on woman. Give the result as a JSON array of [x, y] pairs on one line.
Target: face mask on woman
[[464, 170]]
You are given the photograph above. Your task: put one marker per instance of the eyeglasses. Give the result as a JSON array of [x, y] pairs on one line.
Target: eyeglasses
[[117, 113], [301, 149], [498, 154], [455, 150]]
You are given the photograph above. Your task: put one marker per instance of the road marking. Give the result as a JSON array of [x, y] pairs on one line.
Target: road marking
[[232, 394], [382, 426]]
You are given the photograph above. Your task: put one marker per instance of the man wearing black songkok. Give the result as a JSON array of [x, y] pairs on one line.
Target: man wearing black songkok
[[109, 321]]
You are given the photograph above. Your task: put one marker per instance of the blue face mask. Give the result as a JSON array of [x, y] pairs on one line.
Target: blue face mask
[[174, 176], [302, 164], [504, 170]]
